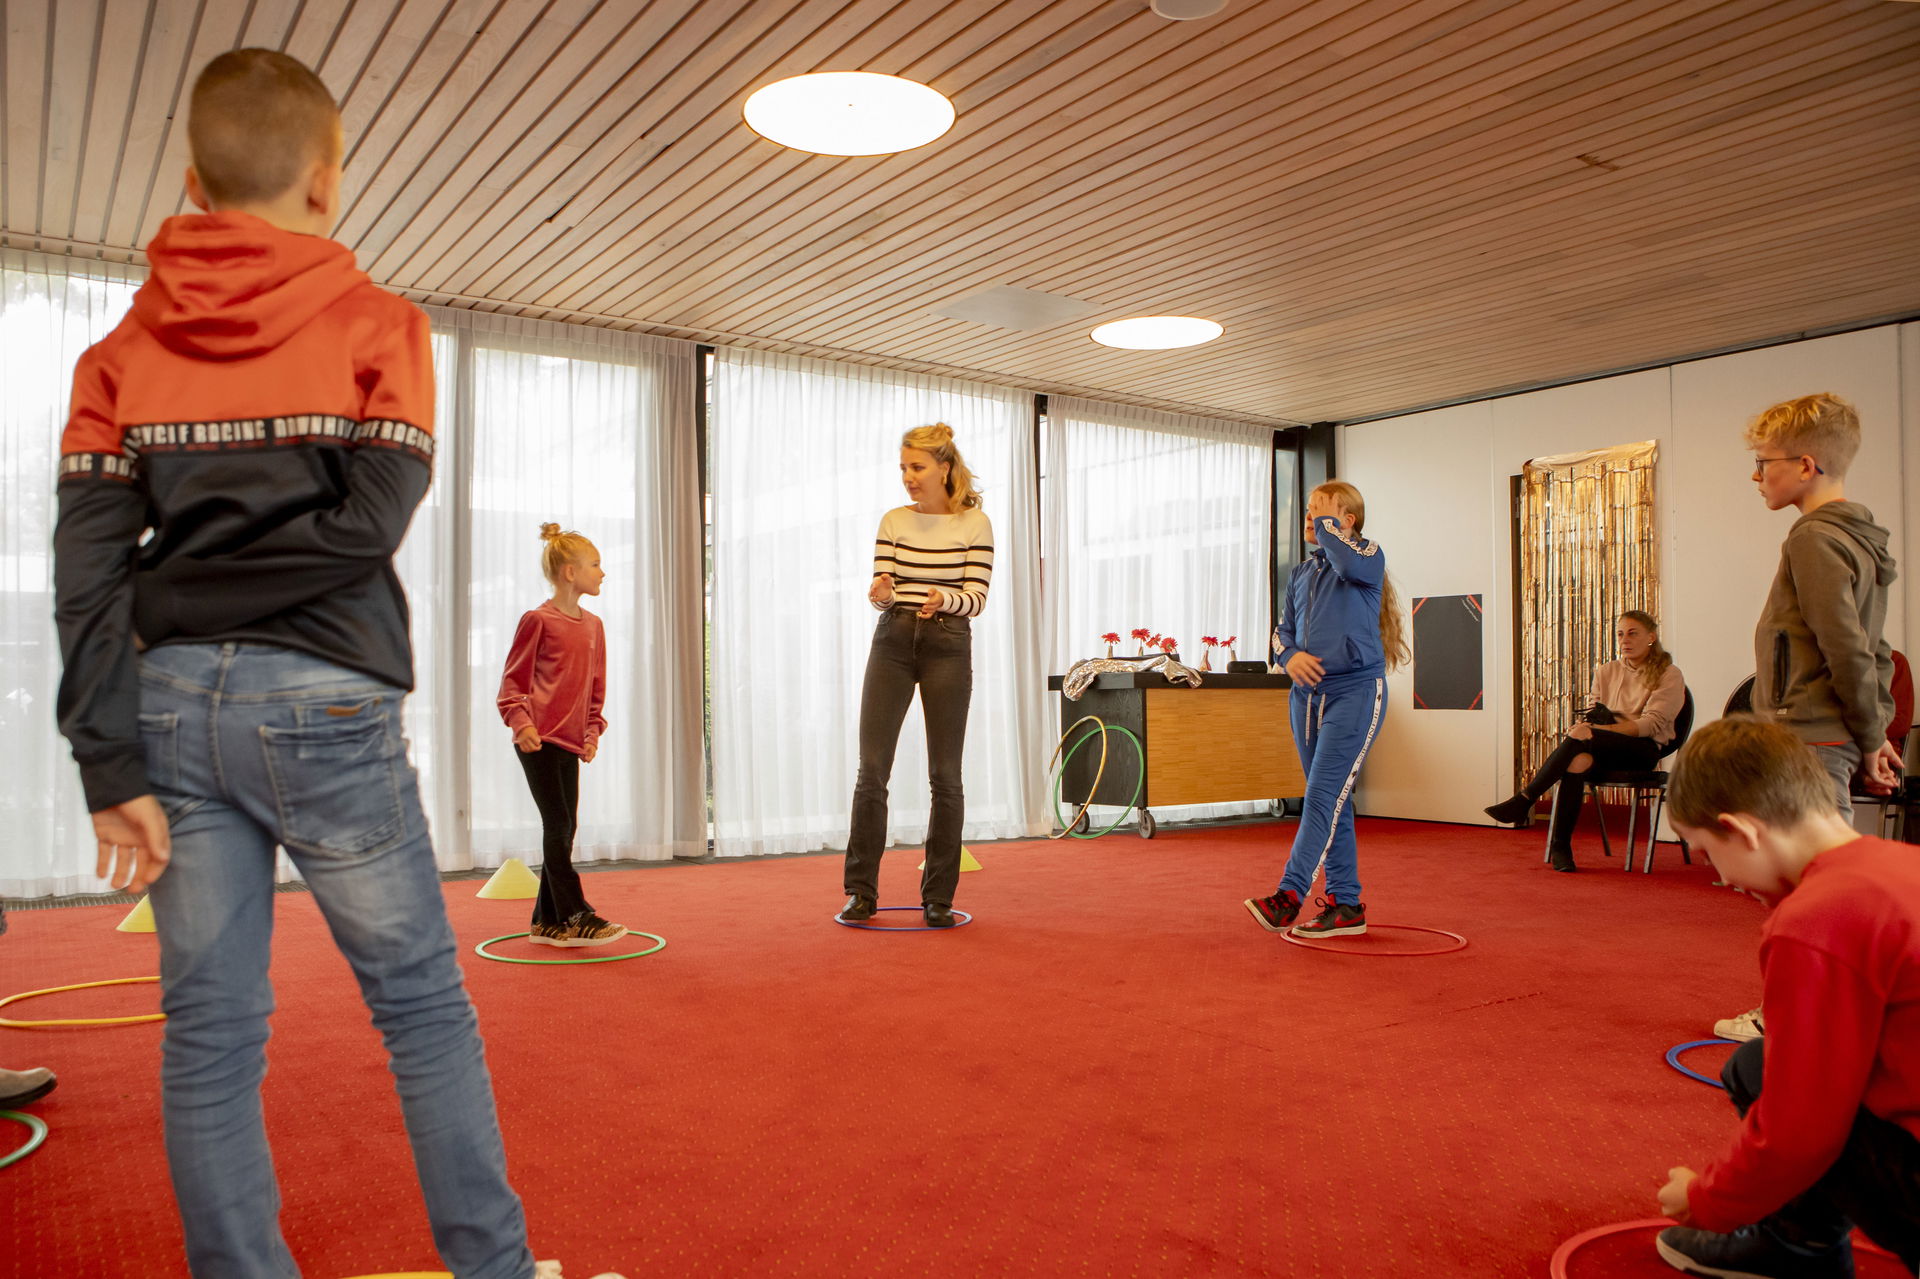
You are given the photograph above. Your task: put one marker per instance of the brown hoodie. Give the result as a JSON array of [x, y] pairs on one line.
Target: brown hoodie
[[243, 455], [1821, 666]]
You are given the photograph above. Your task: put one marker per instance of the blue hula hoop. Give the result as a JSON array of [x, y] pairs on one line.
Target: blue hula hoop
[[1673, 1059], [962, 915]]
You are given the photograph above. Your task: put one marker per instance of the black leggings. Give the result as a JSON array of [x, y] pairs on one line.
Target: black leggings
[[1610, 752], [553, 775]]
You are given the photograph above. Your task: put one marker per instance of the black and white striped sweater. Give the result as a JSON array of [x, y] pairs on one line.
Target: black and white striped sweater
[[952, 552]]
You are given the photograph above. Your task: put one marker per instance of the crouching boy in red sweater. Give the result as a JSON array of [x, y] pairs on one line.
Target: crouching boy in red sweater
[[1833, 1141]]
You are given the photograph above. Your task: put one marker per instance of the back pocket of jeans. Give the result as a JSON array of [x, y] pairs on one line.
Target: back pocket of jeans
[[160, 737], [336, 781]]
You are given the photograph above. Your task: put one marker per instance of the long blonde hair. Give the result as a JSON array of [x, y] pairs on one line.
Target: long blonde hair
[[561, 550], [1658, 659], [1393, 630], [938, 440]]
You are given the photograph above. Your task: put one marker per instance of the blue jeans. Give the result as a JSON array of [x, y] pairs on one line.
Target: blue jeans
[[250, 746], [1334, 726], [1842, 761]]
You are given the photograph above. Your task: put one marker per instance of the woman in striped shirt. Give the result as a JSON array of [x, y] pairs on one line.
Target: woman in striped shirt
[[932, 562]]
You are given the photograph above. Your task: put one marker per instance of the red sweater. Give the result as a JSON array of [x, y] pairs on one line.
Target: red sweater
[[1840, 965], [556, 678]]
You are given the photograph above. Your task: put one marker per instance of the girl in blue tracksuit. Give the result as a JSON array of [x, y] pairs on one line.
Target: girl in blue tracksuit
[[1339, 633]]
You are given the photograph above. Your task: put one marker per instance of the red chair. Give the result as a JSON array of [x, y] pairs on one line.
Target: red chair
[[1893, 808]]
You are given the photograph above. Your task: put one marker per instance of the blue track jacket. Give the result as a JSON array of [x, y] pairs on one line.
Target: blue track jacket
[[1332, 607]]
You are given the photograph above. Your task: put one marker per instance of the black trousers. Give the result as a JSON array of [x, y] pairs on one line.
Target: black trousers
[[553, 775], [1874, 1184], [1610, 752], [934, 654]]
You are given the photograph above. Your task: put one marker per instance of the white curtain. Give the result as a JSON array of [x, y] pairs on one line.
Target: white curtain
[[1158, 520], [588, 427], [592, 429], [51, 310], [804, 461]]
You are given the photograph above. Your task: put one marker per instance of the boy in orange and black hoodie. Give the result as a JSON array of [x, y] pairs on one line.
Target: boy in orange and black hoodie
[[244, 454]]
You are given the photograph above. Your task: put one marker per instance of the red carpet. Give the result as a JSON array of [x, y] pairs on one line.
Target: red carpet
[[1113, 1071]]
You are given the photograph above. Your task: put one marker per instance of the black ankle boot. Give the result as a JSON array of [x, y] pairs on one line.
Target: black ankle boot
[[1511, 812], [1560, 857], [858, 907]]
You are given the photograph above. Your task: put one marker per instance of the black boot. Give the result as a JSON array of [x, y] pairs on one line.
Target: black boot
[[858, 907], [1512, 812], [1567, 798]]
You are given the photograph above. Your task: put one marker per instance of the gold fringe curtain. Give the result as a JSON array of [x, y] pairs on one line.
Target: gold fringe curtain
[[1588, 553]]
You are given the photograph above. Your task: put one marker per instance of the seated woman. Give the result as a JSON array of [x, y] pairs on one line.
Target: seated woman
[[1641, 694]]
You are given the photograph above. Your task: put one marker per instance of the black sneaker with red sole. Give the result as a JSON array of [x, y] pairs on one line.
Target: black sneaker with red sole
[[1276, 913], [1336, 919]]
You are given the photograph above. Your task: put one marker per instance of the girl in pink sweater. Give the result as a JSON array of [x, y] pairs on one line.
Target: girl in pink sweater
[[550, 696]]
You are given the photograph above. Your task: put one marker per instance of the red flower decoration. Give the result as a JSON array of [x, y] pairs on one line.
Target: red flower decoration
[[1209, 641], [1140, 633], [1229, 641], [1169, 644], [1111, 637], [1153, 641]]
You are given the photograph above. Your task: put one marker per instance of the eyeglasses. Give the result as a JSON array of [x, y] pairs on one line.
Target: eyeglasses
[[1760, 463]]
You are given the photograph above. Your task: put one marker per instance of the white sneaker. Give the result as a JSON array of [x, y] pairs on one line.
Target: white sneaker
[[1740, 1029], [551, 1270], [18, 1087]]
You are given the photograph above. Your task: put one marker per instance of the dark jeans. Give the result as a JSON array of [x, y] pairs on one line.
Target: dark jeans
[[553, 775], [1611, 753], [936, 654], [1874, 1184]]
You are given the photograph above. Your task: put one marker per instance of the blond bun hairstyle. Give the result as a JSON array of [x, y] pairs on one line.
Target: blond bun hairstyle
[[1393, 628], [562, 549], [938, 440]]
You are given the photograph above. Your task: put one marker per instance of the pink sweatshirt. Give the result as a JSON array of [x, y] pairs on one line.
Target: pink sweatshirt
[[556, 678]]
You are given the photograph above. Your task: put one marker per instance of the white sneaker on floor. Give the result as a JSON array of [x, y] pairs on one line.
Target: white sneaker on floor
[[1740, 1029], [19, 1087], [551, 1270]]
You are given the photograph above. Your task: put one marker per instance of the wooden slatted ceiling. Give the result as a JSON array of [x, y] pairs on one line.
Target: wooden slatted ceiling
[[1387, 203]]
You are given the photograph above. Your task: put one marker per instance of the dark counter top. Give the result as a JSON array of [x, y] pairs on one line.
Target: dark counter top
[[1154, 679]]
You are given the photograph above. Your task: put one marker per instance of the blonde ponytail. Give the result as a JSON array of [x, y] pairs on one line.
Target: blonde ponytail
[[562, 549], [1393, 627], [938, 441]]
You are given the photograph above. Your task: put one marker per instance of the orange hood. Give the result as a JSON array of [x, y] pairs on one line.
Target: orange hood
[[225, 286]]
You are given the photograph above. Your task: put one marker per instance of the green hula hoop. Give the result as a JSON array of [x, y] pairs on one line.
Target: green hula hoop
[[36, 1125], [482, 951], [1140, 779]]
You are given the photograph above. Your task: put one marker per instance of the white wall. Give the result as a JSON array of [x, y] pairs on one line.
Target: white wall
[[1432, 764], [1437, 489]]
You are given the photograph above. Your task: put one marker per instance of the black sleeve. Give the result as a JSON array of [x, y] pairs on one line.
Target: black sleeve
[[94, 543], [309, 556]]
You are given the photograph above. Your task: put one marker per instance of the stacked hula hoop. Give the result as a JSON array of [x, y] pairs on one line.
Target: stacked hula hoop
[[1057, 767]]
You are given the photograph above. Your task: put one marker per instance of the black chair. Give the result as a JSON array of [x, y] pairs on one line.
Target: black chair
[[1649, 788]]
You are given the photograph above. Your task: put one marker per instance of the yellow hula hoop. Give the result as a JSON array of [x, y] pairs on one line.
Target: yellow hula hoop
[[1098, 773], [78, 1021]]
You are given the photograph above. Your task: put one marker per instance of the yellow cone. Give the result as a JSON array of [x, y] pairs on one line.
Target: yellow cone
[[138, 920], [512, 882], [967, 861]]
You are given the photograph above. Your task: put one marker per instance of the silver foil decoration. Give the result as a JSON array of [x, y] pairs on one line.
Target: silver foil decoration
[[1080, 676]]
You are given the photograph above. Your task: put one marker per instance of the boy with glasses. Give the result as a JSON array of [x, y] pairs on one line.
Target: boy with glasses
[[1822, 669]]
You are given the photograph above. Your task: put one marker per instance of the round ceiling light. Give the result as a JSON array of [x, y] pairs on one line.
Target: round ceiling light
[[1187, 10], [848, 113], [1156, 332]]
